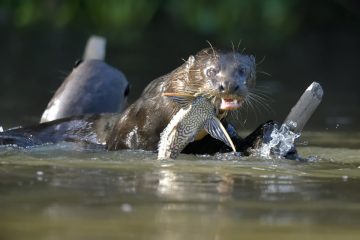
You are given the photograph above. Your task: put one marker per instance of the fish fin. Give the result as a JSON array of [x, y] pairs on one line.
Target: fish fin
[[215, 128], [183, 99]]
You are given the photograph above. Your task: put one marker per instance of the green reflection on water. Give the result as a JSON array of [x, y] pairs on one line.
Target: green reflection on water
[[55, 193]]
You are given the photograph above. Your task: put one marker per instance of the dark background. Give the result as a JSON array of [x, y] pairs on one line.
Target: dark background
[[296, 41]]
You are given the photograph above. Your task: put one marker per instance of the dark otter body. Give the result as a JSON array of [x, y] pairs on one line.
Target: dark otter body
[[225, 77], [92, 87], [87, 130]]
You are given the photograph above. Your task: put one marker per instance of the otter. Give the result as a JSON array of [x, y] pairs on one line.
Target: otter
[[92, 87], [225, 77]]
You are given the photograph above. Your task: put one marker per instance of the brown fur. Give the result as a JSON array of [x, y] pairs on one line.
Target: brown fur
[[141, 124]]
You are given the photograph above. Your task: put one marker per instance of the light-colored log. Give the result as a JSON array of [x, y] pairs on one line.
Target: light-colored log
[[305, 107]]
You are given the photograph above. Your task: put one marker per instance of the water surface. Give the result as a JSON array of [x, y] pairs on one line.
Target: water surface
[[61, 192]]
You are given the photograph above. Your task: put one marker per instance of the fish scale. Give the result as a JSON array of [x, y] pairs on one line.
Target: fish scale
[[196, 114]]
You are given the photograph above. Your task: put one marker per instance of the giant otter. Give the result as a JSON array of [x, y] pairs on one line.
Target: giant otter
[[92, 87], [224, 76]]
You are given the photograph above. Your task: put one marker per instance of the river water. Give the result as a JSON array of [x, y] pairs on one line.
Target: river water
[[61, 192]]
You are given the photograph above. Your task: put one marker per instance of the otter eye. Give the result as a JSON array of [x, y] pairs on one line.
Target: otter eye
[[211, 72], [77, 63], [127, 91], [242, 71]]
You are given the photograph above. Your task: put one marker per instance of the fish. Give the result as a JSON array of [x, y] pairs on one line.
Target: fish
[[196, 113]]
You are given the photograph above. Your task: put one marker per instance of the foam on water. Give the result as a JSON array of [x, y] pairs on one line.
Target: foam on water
[[282, 141]]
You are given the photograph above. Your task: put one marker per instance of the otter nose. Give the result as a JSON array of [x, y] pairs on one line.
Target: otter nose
[[228, 87]]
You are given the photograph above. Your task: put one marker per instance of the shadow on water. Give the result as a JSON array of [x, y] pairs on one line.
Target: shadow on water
[[52, 191]]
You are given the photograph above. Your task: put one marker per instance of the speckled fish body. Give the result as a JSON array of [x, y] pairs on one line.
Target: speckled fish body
[[197, 113]]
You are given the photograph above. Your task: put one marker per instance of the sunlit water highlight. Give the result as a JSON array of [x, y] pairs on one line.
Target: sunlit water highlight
[[62, 192], [282, 140]]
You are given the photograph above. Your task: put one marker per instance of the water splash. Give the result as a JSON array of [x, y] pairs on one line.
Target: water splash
[[1, 129], [281, 141]]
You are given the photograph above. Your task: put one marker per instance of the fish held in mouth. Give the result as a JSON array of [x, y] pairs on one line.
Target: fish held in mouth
[[196, 113]]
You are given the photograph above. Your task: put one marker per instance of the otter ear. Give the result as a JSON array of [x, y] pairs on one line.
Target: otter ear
[[190, 62], [252, 58]]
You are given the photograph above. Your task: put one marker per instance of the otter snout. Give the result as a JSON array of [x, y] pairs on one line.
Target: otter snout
[[228, 87], [232, 87]]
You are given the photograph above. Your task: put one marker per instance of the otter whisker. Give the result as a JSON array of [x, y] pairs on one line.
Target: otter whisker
[[207, 54], [256, 97], [261, 88], [244, 109], [261, 102], [251, 106], [261, 61], [235, 115], [265, 98], [265, 73], [261, 96], [238, 116], [264, 106], [233, 47], [238, 46], [212, 48]]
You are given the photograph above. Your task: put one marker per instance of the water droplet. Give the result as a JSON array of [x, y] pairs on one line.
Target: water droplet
[[345, 178], [39, 173]]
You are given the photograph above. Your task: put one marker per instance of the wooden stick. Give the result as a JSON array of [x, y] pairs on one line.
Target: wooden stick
[[305, 107]]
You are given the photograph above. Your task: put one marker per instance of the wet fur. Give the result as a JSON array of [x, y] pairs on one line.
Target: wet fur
[[143, 121]]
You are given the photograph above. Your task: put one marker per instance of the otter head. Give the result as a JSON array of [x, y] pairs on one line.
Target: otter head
[[226, 77]]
